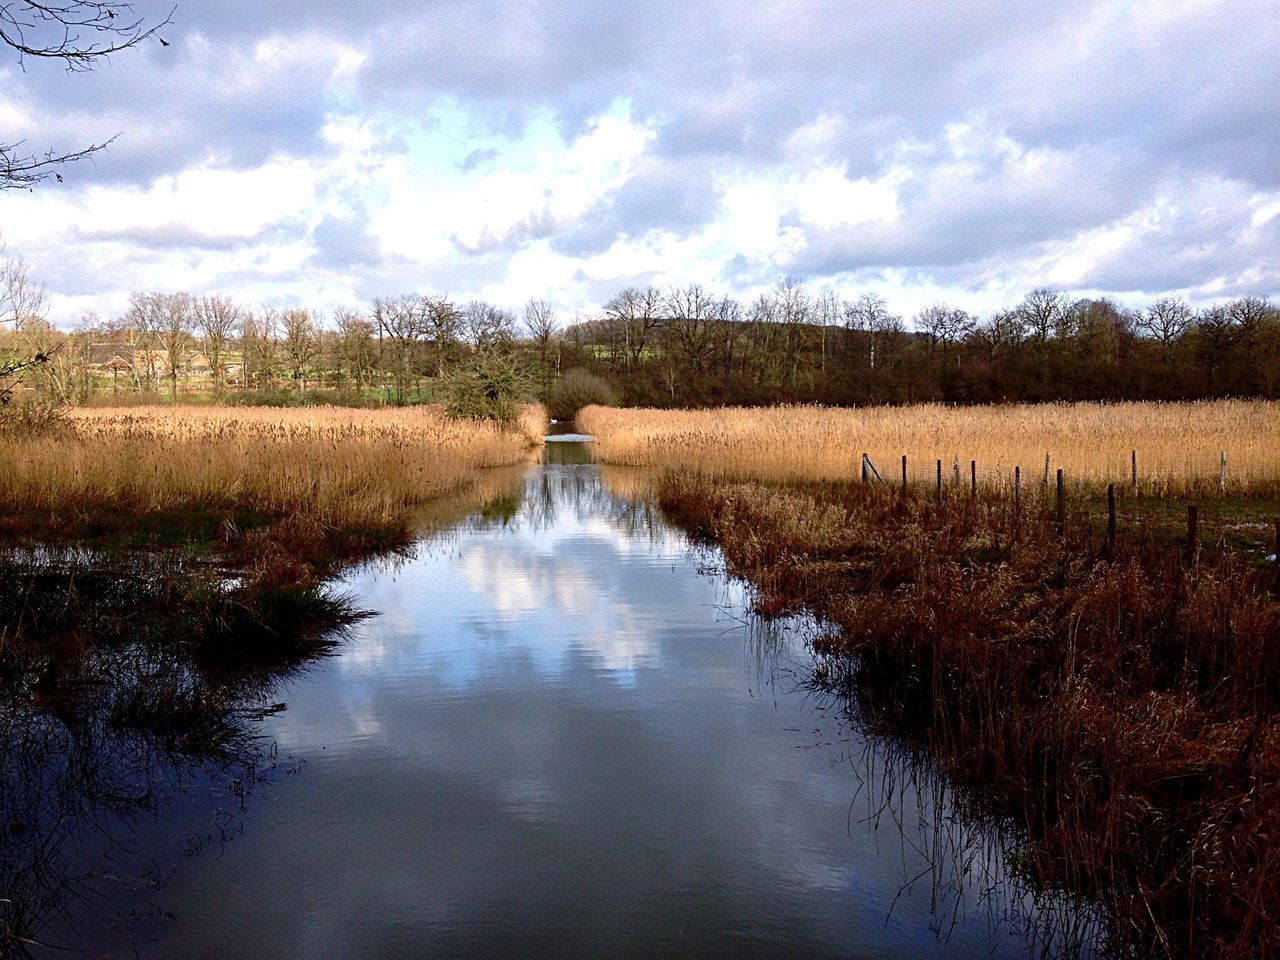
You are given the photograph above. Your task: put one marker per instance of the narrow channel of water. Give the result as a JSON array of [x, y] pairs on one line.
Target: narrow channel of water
[[562, 735]]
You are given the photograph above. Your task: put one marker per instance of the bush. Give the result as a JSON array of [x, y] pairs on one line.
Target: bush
[[489, 388], [577, 389]]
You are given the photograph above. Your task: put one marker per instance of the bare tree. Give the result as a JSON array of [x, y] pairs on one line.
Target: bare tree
[[639, 312], [22, 303], [400, 323], [1042, 313], [1000, 335], [443, 325], [143, 323], [488, 328], [299, 343], [869, 316], [826, 312], [795, 313], [257, 346], [20, 296], [541, 322], [946, 327], [77, 34], [354, 350], [943, 324], [174, 326], [690, 314], [216, 319], [1165, 321]]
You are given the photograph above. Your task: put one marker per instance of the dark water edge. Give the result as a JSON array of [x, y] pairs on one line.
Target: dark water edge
[[563, 735]]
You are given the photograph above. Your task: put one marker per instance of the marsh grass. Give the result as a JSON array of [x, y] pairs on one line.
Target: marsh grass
[[1178, 445], [1122, 708]]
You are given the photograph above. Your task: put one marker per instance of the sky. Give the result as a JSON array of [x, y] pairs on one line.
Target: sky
[[321, 153]]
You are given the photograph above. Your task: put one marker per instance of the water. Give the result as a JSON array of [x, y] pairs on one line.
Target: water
[[562, 735]]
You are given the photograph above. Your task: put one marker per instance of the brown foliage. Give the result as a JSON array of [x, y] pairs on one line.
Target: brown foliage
[[1125, 710]]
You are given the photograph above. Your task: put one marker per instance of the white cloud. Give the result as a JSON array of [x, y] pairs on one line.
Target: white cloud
[[971, 151]]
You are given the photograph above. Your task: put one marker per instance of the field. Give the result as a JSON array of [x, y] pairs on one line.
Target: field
[[1115, 699], [1178, 446]]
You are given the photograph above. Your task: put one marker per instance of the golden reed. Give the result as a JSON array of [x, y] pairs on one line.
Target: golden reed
[[339, 465], [1178, 445]]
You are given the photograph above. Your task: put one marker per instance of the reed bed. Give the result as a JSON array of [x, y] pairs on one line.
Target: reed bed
[[1121, 704], [1178, 446], [339, 466]]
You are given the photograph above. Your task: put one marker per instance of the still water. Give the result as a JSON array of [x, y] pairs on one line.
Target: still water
[[562, 735]]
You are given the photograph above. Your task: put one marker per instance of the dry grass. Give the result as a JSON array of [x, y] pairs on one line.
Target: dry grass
[[335, 465], [1178, 444]]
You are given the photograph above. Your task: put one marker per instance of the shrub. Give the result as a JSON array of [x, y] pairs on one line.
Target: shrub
[[577, 389], [489, 388]]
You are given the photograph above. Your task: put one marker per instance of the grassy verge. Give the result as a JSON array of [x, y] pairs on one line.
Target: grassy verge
[[1122, 706]]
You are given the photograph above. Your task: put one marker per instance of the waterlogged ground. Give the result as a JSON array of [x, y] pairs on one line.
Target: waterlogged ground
[[561, 736]]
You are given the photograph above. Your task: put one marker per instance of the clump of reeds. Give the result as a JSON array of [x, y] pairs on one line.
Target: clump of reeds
[[1121, 703], [1178, 446], [343, 467]]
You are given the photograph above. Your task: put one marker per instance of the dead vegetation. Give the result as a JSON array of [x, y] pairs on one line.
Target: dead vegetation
[[1122, 707]]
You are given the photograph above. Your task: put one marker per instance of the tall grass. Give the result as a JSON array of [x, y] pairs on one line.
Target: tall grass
[[1178, 445], [338, 466]]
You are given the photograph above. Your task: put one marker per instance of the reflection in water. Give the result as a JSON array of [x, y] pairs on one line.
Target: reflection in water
[[102, 714], [557, 739]]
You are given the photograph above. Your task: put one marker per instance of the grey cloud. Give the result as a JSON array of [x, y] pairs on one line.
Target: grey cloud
[[342, 244], [164, 237], [1213, 247], [478, 158], [661, 194]]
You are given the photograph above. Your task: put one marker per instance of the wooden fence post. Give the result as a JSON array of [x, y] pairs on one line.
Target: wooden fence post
[[1222, 473], [1133, 459], [1017, 492], [904, 474], [1062, 506], [1111, 519], [1046, 471], [957, 469], [939, 483], [864, 468], [973, 479]]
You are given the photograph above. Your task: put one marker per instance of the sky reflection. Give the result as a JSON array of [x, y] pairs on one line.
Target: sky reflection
[[558, 739]]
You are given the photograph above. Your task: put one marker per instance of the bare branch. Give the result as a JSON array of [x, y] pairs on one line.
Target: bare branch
[[78, 33]]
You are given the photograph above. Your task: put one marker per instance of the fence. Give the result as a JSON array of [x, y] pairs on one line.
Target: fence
[[1131, 472], [1243, 513]]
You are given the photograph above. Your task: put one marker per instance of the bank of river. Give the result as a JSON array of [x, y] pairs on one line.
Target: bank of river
[[562, 735]]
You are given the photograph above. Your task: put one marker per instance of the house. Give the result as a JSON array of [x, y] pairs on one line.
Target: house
[[112, 358]]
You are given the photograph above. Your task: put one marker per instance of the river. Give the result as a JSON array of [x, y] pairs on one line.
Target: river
[[562, 735]]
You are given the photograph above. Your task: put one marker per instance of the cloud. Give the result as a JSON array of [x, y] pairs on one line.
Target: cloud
[[512, 149]]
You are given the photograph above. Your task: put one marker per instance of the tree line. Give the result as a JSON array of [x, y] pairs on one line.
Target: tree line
[[678, 346], [687, 346]]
